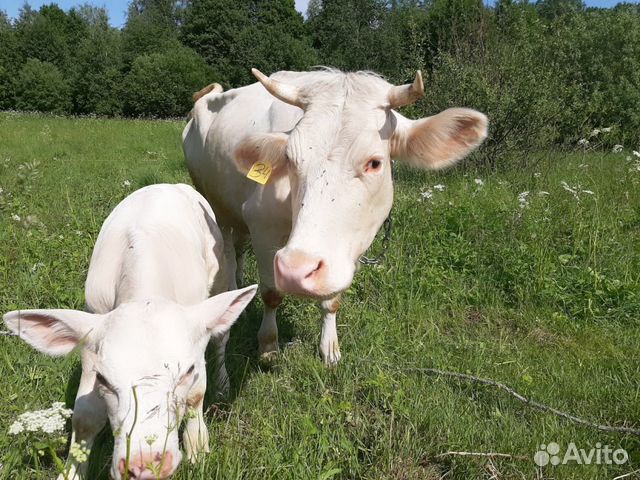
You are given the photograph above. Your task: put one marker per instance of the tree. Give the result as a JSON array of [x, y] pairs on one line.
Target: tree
[[161, 84], [41, 86], [96, 78], [235, 36], [152, 26]]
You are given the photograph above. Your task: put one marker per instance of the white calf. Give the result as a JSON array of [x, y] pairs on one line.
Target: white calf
[[156, 260]]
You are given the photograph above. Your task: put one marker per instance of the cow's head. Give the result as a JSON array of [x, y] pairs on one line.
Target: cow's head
[[155, 347], [338, 159]]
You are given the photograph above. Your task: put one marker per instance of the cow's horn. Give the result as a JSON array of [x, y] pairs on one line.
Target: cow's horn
[[406, 94], [287, 93]]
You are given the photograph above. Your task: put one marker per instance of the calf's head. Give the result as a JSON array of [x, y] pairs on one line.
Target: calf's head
[[338, 161], [143, 363]]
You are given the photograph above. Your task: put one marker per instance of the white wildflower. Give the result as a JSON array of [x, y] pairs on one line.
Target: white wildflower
[[523, 199], [537, 175], [16, 428], [594, 133], [427, 194], [50, 420], [79, 451], [16, 217], [126, 184], [617, 148], [583, 141], [606, 129], [478, 181], [439, 187]]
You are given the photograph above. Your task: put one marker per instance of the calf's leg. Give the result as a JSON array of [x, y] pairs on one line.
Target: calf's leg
[[89, 417], [195, 437], [329, 346]]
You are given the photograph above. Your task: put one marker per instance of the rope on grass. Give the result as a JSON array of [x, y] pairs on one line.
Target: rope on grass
[[525, 400]]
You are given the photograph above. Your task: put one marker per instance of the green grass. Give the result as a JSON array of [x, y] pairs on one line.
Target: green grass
[[544, 298]]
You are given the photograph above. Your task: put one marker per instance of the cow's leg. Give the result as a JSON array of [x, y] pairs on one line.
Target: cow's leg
[[89, 417], [196, 436], [268, 332], [230, 257], [234, 261], [329, 346]]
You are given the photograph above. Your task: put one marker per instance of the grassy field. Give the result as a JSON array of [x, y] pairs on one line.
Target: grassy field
[[540, 291]]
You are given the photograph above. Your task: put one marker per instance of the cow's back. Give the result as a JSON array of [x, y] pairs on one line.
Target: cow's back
[[160, 241]]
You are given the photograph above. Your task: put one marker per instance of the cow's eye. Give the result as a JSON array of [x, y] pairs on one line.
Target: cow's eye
[[191, 369], [373, 165]]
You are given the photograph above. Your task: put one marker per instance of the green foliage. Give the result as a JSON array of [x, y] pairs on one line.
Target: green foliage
[[151, 28], [97, 73], [40, 86], [161, 84], [541, 295], [235, 36]]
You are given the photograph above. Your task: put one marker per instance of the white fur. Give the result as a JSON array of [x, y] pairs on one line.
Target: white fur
[[324, 207], [156, 260]]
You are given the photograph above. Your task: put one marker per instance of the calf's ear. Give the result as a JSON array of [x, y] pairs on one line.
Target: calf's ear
[[220, 312], [438, 141], [269, 148], [54, 332]]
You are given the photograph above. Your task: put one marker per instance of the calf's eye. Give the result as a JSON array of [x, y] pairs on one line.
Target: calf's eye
[[191, 369], [373, 165]]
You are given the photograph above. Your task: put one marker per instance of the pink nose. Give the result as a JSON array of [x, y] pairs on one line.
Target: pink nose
[[148, 466], [299, 274]]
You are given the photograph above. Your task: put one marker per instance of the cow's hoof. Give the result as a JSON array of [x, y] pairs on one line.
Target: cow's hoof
[[268, 358], [330, 354]]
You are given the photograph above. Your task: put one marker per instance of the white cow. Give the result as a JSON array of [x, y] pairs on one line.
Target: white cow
[[328, 138], [156, 260]]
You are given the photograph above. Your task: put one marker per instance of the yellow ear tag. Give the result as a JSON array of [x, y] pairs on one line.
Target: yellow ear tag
[[260, 172]]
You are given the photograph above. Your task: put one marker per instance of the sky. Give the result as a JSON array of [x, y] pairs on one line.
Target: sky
[[118, 8]]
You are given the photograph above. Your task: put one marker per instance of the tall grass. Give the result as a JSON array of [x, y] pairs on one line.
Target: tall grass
[[537, 290]]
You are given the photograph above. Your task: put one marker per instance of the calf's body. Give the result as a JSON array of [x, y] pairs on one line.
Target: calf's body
[[158, 257]]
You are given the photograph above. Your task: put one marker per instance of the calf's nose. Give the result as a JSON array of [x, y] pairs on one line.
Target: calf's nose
[[148, 466], [298, 273]]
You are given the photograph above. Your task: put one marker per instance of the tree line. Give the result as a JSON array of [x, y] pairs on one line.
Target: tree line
[[546, 73]]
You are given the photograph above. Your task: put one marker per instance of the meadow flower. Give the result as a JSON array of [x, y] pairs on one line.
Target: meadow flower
[[126, 184], [79, 451], [478, 181], [523, 199], [16, 217], [595, 132], [583, 141], [537, 175], [617, 148], [606, 129], [439, 187], [428, 193], [50, 420]]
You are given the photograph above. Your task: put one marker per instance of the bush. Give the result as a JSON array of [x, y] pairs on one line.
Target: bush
[[161, 84], [40, 86]]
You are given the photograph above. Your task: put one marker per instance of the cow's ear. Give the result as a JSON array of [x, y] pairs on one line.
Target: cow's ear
[[54, 332], [220, 312], [269, 148], [439, 141]]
